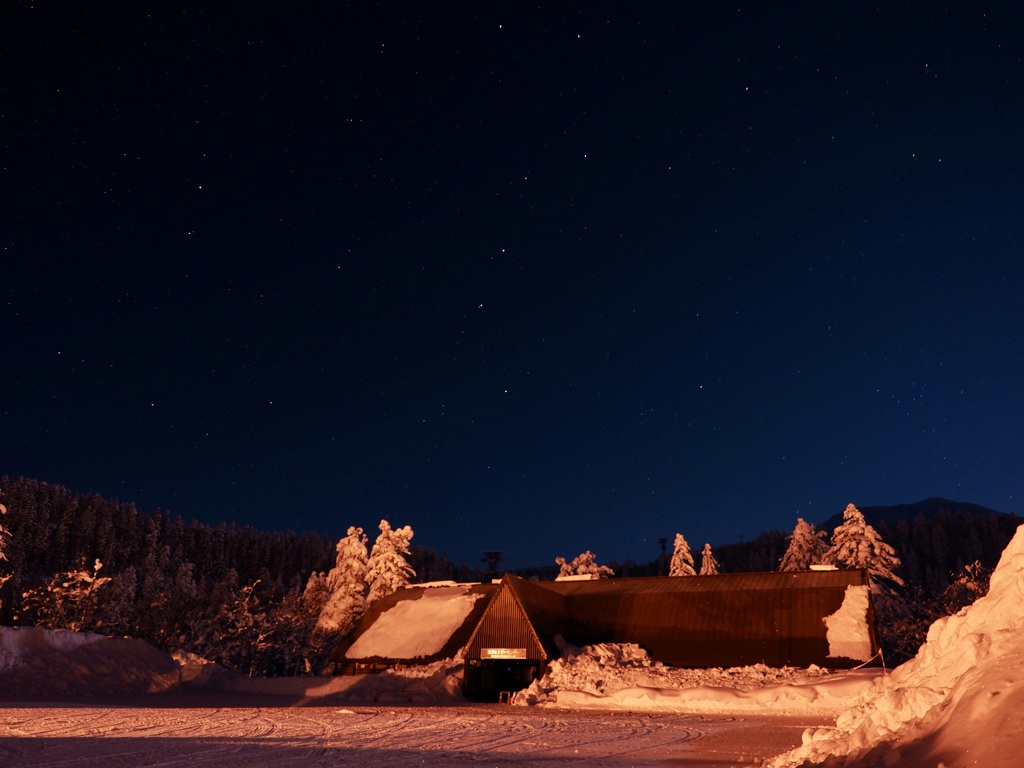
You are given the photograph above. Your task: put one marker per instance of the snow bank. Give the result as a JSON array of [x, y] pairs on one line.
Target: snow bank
[[623, 677], [957, 703], [40, 662], [436, 683], [196, 671], [36, 663]]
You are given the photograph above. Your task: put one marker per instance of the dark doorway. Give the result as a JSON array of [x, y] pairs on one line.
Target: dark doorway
[[487, 679]]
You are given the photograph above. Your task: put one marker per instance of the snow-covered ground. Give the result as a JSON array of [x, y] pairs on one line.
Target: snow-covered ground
[[650, 714], [218, 731], [958, 703]]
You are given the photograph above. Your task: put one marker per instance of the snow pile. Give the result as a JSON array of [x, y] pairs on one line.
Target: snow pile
[[415, 629], [196, 671], [39, 662], [36, 663], [623, 677], [436, 683], [957, 702]]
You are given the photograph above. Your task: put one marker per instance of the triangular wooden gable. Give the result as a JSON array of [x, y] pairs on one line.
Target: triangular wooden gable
[[506, 628]]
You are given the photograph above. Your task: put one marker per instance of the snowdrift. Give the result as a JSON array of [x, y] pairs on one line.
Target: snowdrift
[[40, 663], [622, 677], [439, 683], [957, 703]]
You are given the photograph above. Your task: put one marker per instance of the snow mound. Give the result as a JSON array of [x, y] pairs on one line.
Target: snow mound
[[958, 702], [196, 671], [437, 683], [623, 677], [40, 662]]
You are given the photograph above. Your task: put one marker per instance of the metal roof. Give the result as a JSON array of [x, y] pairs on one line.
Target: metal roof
[[768, 580], [698, 621]]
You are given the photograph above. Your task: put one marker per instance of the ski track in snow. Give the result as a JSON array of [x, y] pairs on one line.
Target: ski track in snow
[[61, 736]]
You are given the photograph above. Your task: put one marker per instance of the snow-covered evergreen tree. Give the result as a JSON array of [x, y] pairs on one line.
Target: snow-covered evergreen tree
[[295, 648], [242, 630], [119, 601], [5, 538], [807, 547], [966, 587], [584, 563], [387, 569], [315, 594], [855, 544], [708, 563], [68, 601], [346, 585], [682, 559], [5, 535]]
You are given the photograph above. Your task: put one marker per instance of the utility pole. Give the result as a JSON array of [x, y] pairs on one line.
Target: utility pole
[[492, 557]]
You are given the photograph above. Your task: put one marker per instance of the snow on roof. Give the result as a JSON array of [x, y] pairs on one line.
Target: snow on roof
[[719, 582], [432, 584], [414, 629]]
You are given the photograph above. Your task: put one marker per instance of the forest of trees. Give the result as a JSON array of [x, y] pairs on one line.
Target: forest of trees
[[233, 595], [273, 603]]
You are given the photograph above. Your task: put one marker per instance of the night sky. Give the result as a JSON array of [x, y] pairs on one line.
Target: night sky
[[531, 279]]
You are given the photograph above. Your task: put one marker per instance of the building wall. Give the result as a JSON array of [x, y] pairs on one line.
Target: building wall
[[505, 625]]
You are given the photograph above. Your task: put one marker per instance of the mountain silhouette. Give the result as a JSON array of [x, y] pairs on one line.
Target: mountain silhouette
[[930, 508]]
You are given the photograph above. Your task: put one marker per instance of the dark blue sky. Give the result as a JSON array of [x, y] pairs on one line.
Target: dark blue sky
[[538, 280]]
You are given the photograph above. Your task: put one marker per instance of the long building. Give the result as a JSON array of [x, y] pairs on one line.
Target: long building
[[509, 632]]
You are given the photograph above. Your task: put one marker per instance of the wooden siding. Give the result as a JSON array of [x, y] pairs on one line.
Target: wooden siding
[[505, 625], [702, 621], [698, 621]]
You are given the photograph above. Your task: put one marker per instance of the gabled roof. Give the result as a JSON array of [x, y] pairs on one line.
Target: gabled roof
[[415, 605], [728, 582], [699, 621], [526, 615], [721, 620]]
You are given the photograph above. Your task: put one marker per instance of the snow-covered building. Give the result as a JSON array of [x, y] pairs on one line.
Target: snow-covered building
[[724, 620], [509, 632]]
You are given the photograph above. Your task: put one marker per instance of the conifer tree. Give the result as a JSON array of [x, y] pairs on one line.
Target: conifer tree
[[967, 586], [584, 563], [119, 604], [855, 544], [346, 584], [243, 630], [68, 601], [682, 559], [387, 568], [807, 547], [5, 537], [708, 563], [315, 594]]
